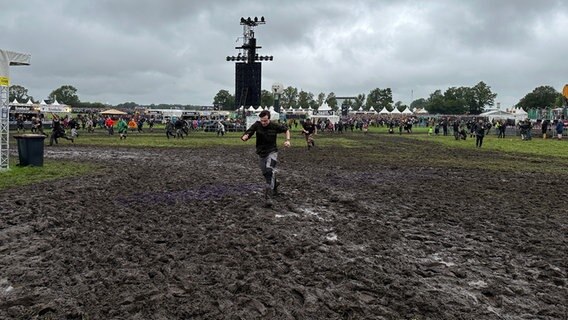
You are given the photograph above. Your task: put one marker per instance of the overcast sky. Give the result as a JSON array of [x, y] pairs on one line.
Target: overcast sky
[[173, 51]]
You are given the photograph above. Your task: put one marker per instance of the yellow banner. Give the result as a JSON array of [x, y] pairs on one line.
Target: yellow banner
[[4, 81], [565, 91]]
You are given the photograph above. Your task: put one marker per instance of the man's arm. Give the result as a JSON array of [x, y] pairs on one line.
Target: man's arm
[[249, 133], [287, 142]]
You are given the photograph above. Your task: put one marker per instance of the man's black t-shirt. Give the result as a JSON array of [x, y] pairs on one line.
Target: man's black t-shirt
[[309, 127], [265, 136]]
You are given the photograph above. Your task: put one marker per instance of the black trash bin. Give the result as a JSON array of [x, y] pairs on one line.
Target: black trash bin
[[30, 149]]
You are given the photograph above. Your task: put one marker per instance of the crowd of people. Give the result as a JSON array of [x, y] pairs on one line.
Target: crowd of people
[[68, 126]]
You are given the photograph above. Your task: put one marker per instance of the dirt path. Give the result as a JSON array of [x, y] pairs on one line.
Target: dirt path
[[183, 234]]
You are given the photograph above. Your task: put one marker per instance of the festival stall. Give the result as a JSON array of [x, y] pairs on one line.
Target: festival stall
[[324, 112]]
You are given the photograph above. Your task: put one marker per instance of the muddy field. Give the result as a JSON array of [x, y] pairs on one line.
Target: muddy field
[[371, 232]]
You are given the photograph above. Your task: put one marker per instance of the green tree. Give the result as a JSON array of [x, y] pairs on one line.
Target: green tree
[[91, 105], [373, 99], [418, 104], [18, 92], [224, 100], [331, 101], [454, 100], [266, 98], [305, 99], [541, 97], [383, 98], [478, 97], [127, 105], [436, 103], [289, 97], [359, 101], [399, 105], [321, 99], [65, 95]]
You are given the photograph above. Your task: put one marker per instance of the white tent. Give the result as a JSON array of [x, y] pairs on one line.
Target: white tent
[[372, 110], [497, 115], [273, 114], [113, 112], [421, 111], [384, 111], [324, 112], [259, 109], [251, 109], [519, 114], [406, 111], [395, 111], [324, 107]]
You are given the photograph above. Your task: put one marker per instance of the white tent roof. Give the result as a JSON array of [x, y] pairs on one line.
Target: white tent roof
[[30, 102], [395, 111], [251, 108], [113, 112], [324, 107], [15, 101], [421, 111], [259, 109], [519, 111], [360, 109], [384, 111], [497, 114], [406, 111]]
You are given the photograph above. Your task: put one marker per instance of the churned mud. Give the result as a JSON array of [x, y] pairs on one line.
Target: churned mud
[[369, 232]]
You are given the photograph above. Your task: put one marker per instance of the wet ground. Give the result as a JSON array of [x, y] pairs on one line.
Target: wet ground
[[375, 231]]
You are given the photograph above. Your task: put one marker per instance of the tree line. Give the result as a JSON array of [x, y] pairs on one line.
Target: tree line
[[454, 100]]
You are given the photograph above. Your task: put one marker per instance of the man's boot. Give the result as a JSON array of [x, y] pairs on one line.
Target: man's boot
[[268, 197]]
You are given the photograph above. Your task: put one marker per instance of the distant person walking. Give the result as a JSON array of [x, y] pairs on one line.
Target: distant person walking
[[220, 128], [266, 134], [479, 133], [309, 130], [544, 127], [170, 129], [57, 131], [109, 124], [122, 128], [559, 128]]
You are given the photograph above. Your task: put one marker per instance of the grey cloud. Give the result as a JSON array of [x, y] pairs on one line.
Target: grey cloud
[[174, 51]]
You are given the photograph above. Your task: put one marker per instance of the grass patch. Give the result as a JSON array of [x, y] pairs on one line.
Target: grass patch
[[417, 149], [513, 144], [51, 170]]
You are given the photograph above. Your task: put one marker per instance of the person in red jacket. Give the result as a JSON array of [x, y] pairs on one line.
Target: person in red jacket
[[109, 124]]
